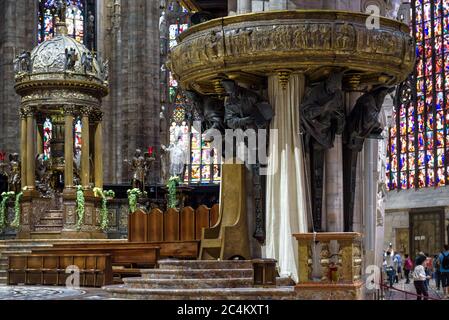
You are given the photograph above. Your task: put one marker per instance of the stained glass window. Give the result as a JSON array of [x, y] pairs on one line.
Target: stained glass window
[[78, 16], [203, 167], [418, 140], [48, 132]]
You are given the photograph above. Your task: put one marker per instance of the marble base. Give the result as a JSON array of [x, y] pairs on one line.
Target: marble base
[[330, 291]]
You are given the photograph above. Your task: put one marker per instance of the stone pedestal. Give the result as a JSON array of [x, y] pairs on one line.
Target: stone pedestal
[[330, 266]]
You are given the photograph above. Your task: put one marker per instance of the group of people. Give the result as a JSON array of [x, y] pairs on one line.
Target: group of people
[[421, 270]]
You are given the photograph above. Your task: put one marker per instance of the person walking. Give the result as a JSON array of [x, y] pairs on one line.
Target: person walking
[[437, 271], [390, 268], [408, 267], [444, 270], [398, 266], [420, 277]]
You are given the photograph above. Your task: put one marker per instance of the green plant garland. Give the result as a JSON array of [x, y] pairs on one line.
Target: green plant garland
[[171, 186], [5, 197], [104, 205], [16, 222], [80, 206], [132, 199]]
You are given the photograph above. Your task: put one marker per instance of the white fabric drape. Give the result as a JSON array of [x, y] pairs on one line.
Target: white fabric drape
[[286, 205]]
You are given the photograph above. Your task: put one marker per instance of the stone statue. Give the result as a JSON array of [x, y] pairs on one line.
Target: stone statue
[[322, 117], [86, 62], [105, 70], [210, 110], [61, 10], [177, 158], [22, 63], [71, 57], [362, 123], [244, 108]]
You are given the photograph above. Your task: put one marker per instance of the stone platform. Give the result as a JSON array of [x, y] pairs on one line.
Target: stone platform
[[199, 280]]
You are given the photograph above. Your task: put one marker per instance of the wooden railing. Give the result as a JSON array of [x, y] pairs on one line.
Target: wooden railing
[[171, 225]]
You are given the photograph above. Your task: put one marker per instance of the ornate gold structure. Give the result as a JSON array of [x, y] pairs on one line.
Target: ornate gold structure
[[63, 81], [313, 41]]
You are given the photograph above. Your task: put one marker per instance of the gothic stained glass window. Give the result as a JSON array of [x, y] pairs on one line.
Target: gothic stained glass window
[[48, 132], [203, 167], [418, 140], [77, 15]]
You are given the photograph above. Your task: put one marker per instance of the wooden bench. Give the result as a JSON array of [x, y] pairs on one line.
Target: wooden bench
[[95, 270]]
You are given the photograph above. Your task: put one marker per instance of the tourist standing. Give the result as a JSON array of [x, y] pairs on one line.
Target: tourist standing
[[390, 268], [398, 266], [408, 267], [420, 277], [437, 271], [444, 270]]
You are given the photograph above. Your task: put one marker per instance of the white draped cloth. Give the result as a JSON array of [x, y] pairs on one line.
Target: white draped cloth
[[286, 195]]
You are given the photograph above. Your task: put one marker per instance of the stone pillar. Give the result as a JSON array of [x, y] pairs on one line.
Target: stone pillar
[[243, 6], [39, 139], [68, 149], [98, 164], [23, 147], [30, 150], [85, 165], [333, 187]]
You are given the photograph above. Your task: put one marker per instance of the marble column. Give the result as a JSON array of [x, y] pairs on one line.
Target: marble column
[[39, 139], [98, 160], [30, 150], [23, 149], [333, 187], [85, 165], [68, 149]]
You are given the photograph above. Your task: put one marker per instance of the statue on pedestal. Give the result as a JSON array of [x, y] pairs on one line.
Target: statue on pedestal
[[362, 123], [12, 171], [322, 117], [177, 158]]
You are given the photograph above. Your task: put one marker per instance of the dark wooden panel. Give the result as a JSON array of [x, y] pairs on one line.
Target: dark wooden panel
[[202, 220], [155, 225], [171, 225], [214, 215], [187, 224], [137, 226]]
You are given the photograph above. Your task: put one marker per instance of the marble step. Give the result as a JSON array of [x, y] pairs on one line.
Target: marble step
[[141, 283], [204, 264], [124, 292], [196, 273]]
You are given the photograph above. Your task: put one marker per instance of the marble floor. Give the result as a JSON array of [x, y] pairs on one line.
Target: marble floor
[[51, 293]]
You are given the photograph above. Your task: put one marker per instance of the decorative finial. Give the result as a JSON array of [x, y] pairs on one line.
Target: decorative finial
[[61, 11]]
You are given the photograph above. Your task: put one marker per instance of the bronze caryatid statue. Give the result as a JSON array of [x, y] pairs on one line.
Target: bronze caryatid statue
[[362, 123], [211, 112], [322, 117], [245, 109]]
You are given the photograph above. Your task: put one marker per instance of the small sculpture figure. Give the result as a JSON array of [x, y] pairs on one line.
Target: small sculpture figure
[[140, 166], [71, 57], [86, 62], [43, 175], [345, 38], [61, 10], [22, 63], [105, 70], [14, 180], [322, 117]]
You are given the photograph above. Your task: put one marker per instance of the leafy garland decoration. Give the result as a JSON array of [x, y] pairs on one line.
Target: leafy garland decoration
[[5, 197], [80, 206], [104, 205], [171, 186], [133, 194], [16, 222]]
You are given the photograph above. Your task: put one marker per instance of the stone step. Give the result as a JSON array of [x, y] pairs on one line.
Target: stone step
[[51, 221], [205, 264], [124, 292], [53, 214], [141, 283], [196, 273], [46, 234], [47, 227]]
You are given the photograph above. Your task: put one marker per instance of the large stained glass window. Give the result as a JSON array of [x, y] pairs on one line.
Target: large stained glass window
[[203, 167], [419, 137], [79, 20]]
